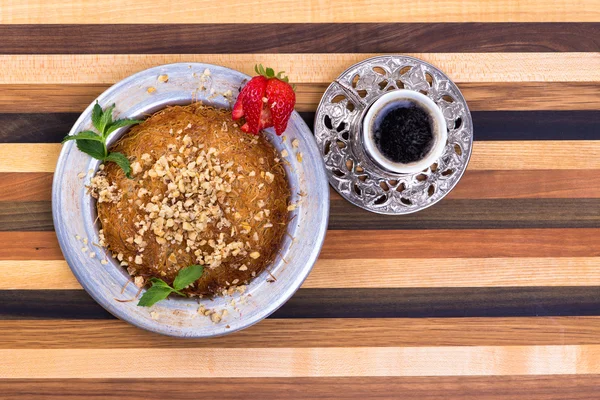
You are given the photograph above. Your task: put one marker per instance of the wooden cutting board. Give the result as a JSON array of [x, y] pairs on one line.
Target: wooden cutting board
[[494, 293]]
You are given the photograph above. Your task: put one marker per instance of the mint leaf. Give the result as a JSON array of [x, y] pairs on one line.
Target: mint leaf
[[187, 276], [121, 161], [121, 123], [105, 120], [97, 115], [92, 147], [159, 282], [88, 135], [160, 290], [153, 295]]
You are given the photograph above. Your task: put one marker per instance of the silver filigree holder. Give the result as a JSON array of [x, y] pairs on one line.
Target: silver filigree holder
[[351, 170]]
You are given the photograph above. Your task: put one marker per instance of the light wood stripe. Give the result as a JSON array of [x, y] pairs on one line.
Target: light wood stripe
[[301, 68], [489, 155], [298, 362], [325, 332], [369, 273], [516, 96], [230, 11], [22, 157]]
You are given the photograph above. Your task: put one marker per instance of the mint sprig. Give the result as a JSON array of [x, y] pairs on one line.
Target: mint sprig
[[94, 144], [160, 289]]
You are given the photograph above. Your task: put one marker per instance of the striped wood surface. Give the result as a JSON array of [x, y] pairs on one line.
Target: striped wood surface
[[494, 293]]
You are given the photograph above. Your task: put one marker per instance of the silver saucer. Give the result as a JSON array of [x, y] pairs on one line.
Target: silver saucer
[[351, 170]]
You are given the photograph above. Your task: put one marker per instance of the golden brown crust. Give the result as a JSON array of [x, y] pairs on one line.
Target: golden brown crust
[[242, 200]]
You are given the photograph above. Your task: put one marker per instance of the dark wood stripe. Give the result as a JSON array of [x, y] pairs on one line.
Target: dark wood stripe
[[526, 184], [492, 125], [536, 125], [350, 303], [299, 38], [35, 128], [475, 214], [508, 96], [448, 214], [322, 332], [383, 244], [26, 216], [544, 387]]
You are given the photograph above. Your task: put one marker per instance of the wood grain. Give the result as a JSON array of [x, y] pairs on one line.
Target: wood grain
[[384, 244], [300, 362], [53, 98], [542, 184], [487, 125], [228, 11], [524, 184], [369, 273], [487, 155], [25, 186], [301, 68], [348, 303], [539, 387], [18, 157], [534, 155], [472, 243], [29, 246], [448, 214], [306, 333], [297, 38], [26, 216]]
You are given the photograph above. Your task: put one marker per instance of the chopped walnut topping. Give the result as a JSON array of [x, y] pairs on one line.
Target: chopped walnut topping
[[255, 254], [136, 168], [163, 78], [269, 177], [299, 157], [151, 89], [139, 281], [284, 153], [295, 143]]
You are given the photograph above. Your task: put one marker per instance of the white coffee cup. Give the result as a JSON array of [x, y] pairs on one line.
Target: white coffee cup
[[439, 131]]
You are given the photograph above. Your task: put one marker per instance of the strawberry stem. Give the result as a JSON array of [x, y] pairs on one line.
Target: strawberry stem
[[270, 73]]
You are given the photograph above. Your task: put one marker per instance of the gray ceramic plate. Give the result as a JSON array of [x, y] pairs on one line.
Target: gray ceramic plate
[[74, 210]]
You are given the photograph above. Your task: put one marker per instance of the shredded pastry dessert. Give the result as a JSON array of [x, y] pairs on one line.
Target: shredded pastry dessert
[[202, 192]]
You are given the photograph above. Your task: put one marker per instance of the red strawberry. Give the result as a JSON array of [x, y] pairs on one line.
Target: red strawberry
[[266, 100], [281, 99], [250, 104]]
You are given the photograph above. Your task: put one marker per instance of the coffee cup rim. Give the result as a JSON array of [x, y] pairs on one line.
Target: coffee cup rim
[[440, 134]]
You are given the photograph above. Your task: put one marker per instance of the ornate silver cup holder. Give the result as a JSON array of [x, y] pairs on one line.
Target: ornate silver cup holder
[[351, 170]]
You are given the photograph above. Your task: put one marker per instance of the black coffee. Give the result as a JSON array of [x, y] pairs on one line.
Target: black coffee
[[403, 131]]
